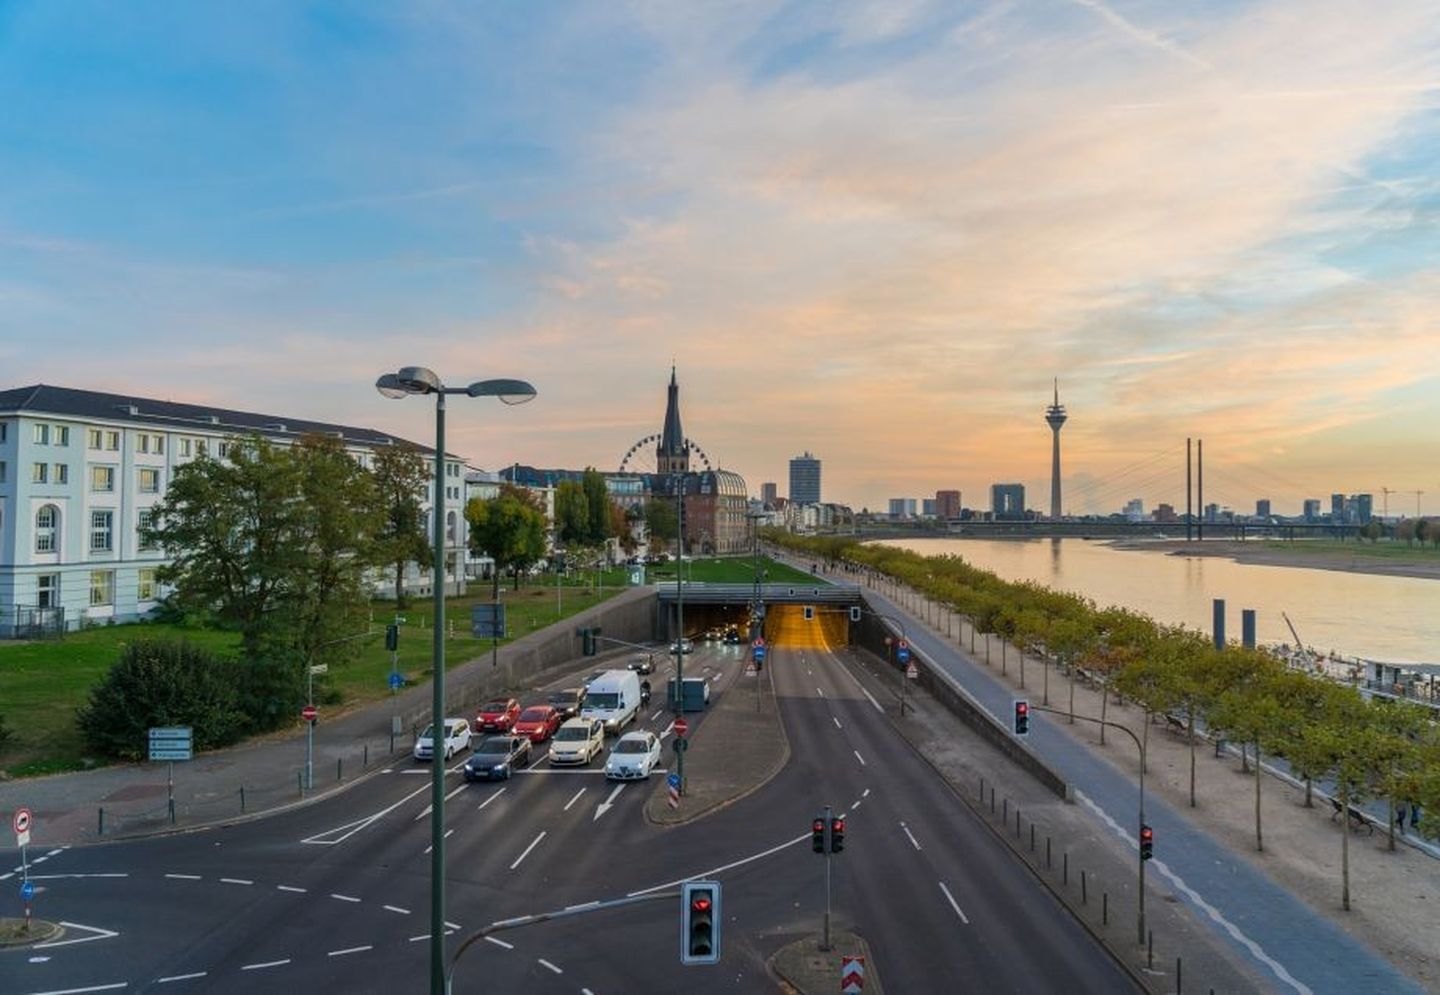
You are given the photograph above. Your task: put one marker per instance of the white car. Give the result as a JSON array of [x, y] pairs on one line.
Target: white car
[[635, 755], [457, 738], [578, 742]]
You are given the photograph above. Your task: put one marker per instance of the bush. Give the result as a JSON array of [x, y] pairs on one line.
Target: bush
[[163, 684], [5, 733]]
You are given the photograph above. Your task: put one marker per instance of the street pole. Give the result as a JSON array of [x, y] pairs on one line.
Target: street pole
[[437, 725], [309, 729], [680, 616], [826, 944]]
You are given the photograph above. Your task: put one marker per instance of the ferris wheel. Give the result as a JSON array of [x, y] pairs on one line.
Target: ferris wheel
[[640, 458]]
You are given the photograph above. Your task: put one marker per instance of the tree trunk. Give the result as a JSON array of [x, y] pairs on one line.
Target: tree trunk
[[1071, 671], [1104, 702], [1259, 837], [400, 584], [1190, 735], [1145, 745], [1391, 812], [1003, 660], [1309, 793], [1244, 758], [1344, 848], [1045, 693]]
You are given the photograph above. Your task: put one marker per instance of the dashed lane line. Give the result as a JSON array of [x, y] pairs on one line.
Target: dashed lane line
[[448, 834], [266, 964], [452, 794], [349, 950], [92, 988], [953, 904], [572, 801], [290, 887], [534, 843], [490, 799], [499, 943], [396, 909], [545, 963], [235, 881], [658, 713], [859, 758], [344, 898], [872, 700], [180, 977], [913, 841], [184, 877]]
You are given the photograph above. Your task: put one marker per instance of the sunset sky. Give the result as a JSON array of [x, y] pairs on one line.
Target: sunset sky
[[873, 230]]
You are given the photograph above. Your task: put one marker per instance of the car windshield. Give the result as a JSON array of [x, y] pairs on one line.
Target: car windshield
[[573, 732], [495, 706], [427, 732], [603, 699], [632, 746], [533, 715], [495, 744]]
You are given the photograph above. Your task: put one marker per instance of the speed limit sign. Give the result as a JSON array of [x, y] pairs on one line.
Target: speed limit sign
[[21, 825]]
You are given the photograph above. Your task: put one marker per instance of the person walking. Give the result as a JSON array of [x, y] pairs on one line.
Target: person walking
[[1400, 816]]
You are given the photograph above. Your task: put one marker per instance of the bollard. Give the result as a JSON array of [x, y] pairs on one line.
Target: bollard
[[982, 787], [992, 800], [392, 740], [1032, 837], [1149, 948], [1017, 823], [1048, 862], [1065, 873], [102, 822], [1179, 988], [172, 811], [242, 799], [1005, 810], [339, 767], [367, 756], [300, 782], [1105, 908], [1084, 890]]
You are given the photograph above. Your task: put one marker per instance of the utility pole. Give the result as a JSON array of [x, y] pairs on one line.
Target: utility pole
[[1417, 503], [1386, 501], [1200, 487], [679, 703]]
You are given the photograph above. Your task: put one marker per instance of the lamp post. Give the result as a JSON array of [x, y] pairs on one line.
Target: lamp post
[[418, 380]]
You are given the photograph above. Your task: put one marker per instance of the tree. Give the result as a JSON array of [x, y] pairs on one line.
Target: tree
[[661, 521], [509, 528], [572, 513], [621, 523], [1248, 710], [598, 505], [401, 474]]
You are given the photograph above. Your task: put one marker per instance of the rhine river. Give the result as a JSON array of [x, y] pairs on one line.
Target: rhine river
[[1396, 619]]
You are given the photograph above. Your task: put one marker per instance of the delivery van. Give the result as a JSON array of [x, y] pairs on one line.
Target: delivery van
[[613, 698]]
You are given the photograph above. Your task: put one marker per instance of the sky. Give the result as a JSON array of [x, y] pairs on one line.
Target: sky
[[875, 230]]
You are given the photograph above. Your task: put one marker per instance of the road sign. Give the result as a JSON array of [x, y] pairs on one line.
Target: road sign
[[487, 621], [852, 975], [750, 671], [681, 744], [672, 779], [27, 891], [396, 682], [170, 743], [674, 794], [21, 825], [319, 668], [169, 732], [903, 653], [309, 713], [759, 642], [681, 726], [170, 753], [912, 672], [759, 653]]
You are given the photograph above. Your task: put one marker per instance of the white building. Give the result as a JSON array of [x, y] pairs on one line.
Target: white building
[[80, 471]]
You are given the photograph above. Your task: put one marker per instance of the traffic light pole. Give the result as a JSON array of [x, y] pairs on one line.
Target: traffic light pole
[[679, 703], [826, 944], [1140, 746]]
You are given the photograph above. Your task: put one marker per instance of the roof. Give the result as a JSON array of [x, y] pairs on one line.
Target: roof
[[179, 416]]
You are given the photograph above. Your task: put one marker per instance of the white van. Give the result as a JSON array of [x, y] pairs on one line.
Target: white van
[[613, 698]]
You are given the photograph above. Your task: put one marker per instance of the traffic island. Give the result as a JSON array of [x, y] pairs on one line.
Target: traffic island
[[20, 933], [807, 969]]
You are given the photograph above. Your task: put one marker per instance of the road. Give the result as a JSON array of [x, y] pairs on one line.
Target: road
[[338, 893]]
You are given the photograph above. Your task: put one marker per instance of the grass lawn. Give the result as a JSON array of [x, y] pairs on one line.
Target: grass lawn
[[732, 570], [43, 683], [1385, 549]]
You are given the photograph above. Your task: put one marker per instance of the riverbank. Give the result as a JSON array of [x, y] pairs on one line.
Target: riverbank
[[1316, 555]]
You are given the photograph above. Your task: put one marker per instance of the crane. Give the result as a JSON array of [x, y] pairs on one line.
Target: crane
[[1387, 492], [1417, 494]]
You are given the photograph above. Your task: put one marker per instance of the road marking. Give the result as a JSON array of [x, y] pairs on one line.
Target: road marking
[[491, 798], [865, 793], [953, 904], [913, 842], [657, 714], [453, 925], [344, 898], [856, 804], [724, 867], [56, 877], [448, 834], [98, 934], [235, 881], [536, 762], [78, 991], [415, 770], [582, 905], [268, 963], [574, 800], [351, 828], [387, 770], [819, 692], [604, 806], [533, 845], [180, 977], [452, 794], [349, 950], [184, 877], [837, 722], [1215, 915], [290, 887], [396, 908], [38, 960], [54, 852], [40, 860], [499, 943], [859, 758], [551, 966], [872, 700], [422, 936]]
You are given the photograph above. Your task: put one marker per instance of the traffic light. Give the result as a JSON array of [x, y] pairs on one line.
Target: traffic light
[[700, 922], [1022, 718], [1147, 842], [837, 833], [809, 613], [817, 834], [392, 637], [854, 613]]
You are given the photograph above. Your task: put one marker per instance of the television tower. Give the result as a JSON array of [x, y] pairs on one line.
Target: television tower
[[1055, 417]]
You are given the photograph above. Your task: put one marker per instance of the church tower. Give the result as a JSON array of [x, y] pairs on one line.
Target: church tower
[[673, 453]]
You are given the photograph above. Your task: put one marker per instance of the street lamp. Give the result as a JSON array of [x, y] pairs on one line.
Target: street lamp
[[418, 380]]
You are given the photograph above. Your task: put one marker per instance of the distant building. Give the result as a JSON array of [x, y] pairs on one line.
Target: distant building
[[927, 507], [1312, 509], [947, 504], [1135, 510], [1362, 507], [1212, 513], [1007, 500], [1337, 508], [1164, 514], [769, 491], [1262, 508], [902, 507], [805, 479]]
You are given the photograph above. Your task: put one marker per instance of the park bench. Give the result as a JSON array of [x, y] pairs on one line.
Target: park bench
[[1357, 820], [1175, 724]]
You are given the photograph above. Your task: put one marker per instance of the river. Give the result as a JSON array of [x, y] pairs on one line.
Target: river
[[1394, 619]]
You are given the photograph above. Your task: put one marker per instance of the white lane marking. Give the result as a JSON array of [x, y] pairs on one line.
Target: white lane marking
[[290, 887], [546, 963], [533, 845], [452, 925], [582, 905], [865, 793], [40, 860], [78, 991], [837, 722], [500, 943], [415, 770], [574, 800], [422, 936], [344, 898], [1214, 914], [396, 908], [56, 877], [184, 877], [855, 804], [452, 794], [38, 960], [7, 876], [819, 692], [491, 798], [96, 934], [723, 867], [859, 758], [235, 881], [448, 834], [872, 700], [953, 904], [349, 950], [268, 963], [537, 761], [605, 806], [913, 841], [387, 770], [53, 852], [180, 977], [586, 991], [658, 713], [351, 828]]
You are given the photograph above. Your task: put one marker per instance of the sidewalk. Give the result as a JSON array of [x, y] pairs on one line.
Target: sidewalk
[[267, 774]]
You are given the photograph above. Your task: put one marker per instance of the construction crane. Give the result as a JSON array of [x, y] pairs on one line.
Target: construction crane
[[1417, 502], [1387, 492]]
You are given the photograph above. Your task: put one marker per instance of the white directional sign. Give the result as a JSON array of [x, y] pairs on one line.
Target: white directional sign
[[170, 743]]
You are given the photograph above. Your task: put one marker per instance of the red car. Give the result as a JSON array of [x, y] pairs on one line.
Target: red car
[[539, 722], [498, 715]]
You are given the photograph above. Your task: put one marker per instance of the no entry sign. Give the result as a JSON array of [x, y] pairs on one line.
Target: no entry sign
[[309, 712], [681, 727]]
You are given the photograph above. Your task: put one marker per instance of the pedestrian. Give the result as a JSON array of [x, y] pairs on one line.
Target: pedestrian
[[1400, 816], [1414, 816]]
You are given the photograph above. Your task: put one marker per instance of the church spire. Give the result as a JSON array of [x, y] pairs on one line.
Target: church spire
[[672, 455]]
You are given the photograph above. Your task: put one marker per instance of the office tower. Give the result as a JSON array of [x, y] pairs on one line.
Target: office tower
[[805, 479], [947, 504], [769, 491], [1007, 500]]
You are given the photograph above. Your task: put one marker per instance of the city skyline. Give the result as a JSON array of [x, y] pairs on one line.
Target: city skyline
[[879, 231]]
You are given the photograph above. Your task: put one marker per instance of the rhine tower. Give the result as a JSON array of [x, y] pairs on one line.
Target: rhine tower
[[1055, 417]]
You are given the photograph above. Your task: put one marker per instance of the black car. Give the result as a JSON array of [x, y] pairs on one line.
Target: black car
[[642, 663], [567, 702], [497, 757], [732, 636]]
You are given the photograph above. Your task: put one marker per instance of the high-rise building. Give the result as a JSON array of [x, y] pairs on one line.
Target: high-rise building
[[1262, 508], [947, 504], [1007, 500], [927, 507], [769, 491], [1135, 510], [1055, 417], [1364, 507], [1337, 508], [805, 479], [902, 507], [1312, 509], [1165, 514]]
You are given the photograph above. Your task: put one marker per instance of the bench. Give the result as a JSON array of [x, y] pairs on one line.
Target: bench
[[1357, 820], [1175, 723]]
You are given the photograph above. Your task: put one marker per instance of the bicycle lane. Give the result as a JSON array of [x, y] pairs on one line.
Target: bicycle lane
[[1303, 951]]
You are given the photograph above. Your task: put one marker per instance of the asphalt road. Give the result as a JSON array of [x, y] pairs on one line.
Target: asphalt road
[[337, 894]]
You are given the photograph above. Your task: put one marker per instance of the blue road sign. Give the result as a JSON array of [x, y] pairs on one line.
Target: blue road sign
[[672, 779], [27, 891], [759, 653], [396, 682], [903, 654]]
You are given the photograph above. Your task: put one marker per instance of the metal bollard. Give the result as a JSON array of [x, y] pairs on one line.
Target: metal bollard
[[1105, 908], [242, 799], [367, 756], [339, 762], [1149, 948], [1065, 873], [1005, 810], [1084, 889], [1032, 837], [300, 782], [1048, 861], [992, 800], [172, 811], [102, 822], [1017, 823], [982, 787]]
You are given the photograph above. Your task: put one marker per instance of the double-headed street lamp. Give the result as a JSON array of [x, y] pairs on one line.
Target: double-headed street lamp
[[419, 380]]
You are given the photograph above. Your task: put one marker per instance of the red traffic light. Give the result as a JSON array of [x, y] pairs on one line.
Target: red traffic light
[[1147, 834], [837, 825], [1022, 708], [701, 904], [818, 826]]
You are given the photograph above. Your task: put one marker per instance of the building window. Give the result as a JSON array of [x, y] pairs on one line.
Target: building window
[[157, 445], [142, 443], [147, 584], [144, 521], [102, 588], [112, 441], [4, 430], [200, 448], [184, 447], [102, 479], [93, 438], [450, 527], [102, 531], [41, 434], [62, 473], [2, 471], [62, 435], [46, 520], [47, 591], [149, 479], [223, 450], [40, 473]]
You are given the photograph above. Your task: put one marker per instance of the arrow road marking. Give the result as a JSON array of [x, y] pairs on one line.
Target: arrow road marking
[[98, 934], [953, 904], [604, 806]]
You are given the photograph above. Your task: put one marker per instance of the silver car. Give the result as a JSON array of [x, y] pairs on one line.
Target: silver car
[[634, 756]]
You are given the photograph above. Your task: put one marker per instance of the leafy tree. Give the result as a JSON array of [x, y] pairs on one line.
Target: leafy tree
[[621, 526], [401, 474], [661, 522], [161, 684], [1249, 711], [510, 529], [598, 505], [572, 513]]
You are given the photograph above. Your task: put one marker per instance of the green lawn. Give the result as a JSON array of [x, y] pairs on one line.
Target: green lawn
[[1387, 549], [731, 570], [43, 683]]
